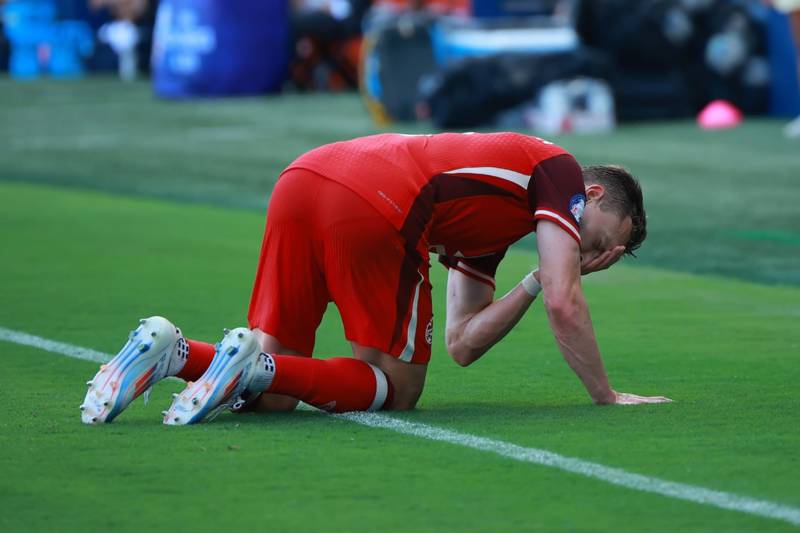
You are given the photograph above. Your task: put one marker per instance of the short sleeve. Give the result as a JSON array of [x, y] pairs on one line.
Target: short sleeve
[[481, 269], [558, 194]]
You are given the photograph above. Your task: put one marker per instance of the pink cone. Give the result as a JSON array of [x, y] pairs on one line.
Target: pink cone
[[719, 114]]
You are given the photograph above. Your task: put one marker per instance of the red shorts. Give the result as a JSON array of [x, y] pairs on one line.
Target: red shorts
[[325, 243]]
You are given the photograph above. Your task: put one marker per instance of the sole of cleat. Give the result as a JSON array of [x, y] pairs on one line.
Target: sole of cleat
[[223, 382], [138, 365]]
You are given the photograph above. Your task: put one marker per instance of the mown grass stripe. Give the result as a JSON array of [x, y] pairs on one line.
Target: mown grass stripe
[[614, 476]]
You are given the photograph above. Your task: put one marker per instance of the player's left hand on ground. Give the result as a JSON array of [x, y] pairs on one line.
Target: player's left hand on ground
[[601, 261], [624, 398]]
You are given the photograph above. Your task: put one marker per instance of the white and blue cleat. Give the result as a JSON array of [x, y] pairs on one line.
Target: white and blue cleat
[[239, 370], [156, 349]]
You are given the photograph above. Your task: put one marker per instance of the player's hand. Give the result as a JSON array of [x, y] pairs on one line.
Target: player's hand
[[602, 260], [624, 398]]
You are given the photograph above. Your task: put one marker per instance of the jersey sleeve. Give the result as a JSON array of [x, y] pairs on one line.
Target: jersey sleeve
[[481, 269], [559, 194]]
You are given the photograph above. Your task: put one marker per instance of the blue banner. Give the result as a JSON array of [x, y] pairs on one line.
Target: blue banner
[[220, 47]]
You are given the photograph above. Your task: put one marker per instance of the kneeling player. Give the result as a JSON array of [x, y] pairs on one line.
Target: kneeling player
[[353, 223]]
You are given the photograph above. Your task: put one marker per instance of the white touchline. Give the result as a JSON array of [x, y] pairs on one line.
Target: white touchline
[[615, 476], [62, 348]]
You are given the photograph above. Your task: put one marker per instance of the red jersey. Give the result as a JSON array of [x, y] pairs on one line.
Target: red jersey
[[465, 196]]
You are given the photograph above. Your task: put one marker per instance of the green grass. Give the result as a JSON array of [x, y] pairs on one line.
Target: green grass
[[80, 267], [718, 202], [180, 237]]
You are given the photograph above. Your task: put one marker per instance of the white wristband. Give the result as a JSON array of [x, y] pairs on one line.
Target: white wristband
[[531, 286]]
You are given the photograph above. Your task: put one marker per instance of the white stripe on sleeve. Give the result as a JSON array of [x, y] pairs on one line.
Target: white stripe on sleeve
[[567, 225], [517, 178]]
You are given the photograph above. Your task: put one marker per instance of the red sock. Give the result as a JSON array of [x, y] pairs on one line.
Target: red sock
[[337, 385], [200, 356]]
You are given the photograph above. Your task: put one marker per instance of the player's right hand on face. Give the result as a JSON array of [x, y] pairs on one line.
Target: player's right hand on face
[[624, 398], [601, 261]]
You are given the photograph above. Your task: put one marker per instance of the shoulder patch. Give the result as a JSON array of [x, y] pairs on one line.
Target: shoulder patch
[[576, 206]]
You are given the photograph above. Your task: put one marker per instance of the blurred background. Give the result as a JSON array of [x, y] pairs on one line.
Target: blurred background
[[548, 65], [208, 100]]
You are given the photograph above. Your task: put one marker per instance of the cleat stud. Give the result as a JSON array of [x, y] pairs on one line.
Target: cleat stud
[[94, 419], [225, 331], [153, 334], [175, 395], [240, 335], [83, 407], [142, 320], [89, 383], [177, 419], [164, 413], [105, 404], [195, 401]]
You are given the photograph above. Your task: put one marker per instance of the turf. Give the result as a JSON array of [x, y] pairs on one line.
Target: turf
[[718, 202], [80, 265]]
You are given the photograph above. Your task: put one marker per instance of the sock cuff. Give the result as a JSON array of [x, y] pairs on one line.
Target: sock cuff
[[381, 388], [265, 371], [179, 356]]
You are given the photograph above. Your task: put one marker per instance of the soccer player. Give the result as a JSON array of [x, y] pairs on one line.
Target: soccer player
[[353, 222]]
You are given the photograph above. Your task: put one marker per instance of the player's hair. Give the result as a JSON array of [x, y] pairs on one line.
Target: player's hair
[[623, 196]]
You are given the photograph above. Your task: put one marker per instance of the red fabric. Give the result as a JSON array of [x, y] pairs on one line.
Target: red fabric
[[200, 356], [336, 385], [390, 171], [557, 182], [324, 243], [465, 196]]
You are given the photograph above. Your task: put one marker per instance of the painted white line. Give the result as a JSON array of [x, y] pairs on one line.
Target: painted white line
[[614, 476], [62, 348]]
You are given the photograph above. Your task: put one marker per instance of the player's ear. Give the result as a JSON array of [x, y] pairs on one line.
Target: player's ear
[[595, 191]]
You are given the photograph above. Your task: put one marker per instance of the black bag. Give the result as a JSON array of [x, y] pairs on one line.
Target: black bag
[[640, 34], [471, 92]]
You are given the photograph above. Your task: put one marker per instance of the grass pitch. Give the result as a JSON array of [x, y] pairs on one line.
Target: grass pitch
[[80, 265]]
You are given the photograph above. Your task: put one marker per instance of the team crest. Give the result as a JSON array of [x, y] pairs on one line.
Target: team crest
[[429, 332], [576, 206]]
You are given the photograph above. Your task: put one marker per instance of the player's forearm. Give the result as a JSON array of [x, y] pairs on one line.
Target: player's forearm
[[482, 330], [572, 327]]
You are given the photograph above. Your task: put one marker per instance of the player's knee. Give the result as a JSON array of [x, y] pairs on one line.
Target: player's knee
[[405, 399], [273, 403], [403, 404]]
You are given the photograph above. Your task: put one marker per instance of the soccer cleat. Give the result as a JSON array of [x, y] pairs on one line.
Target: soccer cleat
[[239, 369], [156, 349]]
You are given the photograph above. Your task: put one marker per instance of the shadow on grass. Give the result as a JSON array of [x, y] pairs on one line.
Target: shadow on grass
[[444, 415], [455, 416]]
